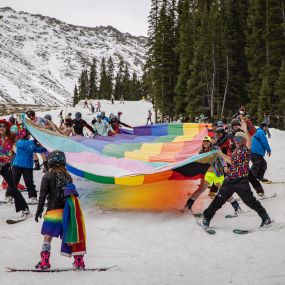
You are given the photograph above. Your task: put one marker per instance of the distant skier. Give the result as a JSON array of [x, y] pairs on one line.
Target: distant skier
[[149, 115], [61, 117], [92, 108], [122, 101], [266, 120], [259, 148], [64, 217], [112, 98], [98, 107], [85, 103]]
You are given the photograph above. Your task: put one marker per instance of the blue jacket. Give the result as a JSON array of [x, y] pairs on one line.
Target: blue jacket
[[259, 144], [25, 153]]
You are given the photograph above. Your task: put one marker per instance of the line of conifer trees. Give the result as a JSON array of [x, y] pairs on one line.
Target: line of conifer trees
[[103, 82], [212, 56]]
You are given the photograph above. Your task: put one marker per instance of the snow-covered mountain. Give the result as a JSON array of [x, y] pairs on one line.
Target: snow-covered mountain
[[42, 57]]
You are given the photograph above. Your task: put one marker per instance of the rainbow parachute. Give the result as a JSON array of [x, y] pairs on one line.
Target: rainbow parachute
[[154, 167]]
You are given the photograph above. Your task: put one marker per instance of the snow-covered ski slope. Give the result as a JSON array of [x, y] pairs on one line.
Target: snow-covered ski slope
[[158, 248]]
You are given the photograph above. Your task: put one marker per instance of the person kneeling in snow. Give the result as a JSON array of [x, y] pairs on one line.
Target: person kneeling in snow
[[64, 216]]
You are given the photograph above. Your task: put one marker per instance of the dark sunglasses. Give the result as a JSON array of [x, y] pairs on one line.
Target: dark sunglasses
[[3, 126]]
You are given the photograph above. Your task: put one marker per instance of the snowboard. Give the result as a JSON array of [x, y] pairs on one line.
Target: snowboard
[[99, 269]]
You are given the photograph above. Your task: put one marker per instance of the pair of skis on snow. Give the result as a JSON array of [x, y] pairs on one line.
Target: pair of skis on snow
[[98, 269], [211, 231]]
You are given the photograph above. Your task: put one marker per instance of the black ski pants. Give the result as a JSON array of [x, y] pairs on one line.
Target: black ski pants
[[259, 165], [20, 202], [28, 179], [255, 183], [242, 188]]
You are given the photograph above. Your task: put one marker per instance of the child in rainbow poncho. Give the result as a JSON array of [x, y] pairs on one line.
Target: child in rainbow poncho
[[64, 216]]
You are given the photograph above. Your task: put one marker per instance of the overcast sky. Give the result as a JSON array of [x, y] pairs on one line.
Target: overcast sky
[[125, 15]]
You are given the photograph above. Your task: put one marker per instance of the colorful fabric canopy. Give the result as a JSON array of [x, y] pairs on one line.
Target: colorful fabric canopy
[[144, 163]]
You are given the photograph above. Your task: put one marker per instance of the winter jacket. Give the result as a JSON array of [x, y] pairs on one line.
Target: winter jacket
[[78, 126], [6, 149], [25, 153], [259, 143], [52, 188], [102, 128]]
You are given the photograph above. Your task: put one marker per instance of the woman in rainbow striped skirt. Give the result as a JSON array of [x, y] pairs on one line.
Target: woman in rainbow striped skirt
[[64, 217]]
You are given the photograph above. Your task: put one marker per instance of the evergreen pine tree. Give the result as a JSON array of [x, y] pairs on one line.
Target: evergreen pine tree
[[75, 96], [83, 85], [104, 86], [264, 98], [93, 88], [280, 92], [118, 90], [110, 75]]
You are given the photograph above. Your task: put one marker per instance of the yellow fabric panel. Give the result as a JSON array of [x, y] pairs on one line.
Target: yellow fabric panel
[[151, 148], [137, 155], [131, 180], [183, 138], [190, 129]]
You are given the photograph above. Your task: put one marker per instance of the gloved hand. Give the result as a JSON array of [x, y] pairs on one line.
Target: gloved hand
[[38, 215]]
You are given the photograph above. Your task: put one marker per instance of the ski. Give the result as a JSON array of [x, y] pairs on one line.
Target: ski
[[99, 269], [231, 216], [244, 232], [267, 197], [15, 221], [206, 229], [6, 202], [260, 198], [273, 182]]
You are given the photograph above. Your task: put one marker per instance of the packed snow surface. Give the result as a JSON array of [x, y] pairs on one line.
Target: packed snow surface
[[157, 248]]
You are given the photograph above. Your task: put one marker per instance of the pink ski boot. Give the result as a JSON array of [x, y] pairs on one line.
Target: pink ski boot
[[78, 263], [44, 263]]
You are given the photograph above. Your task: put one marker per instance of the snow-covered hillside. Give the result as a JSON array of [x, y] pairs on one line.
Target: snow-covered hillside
[[42, 57], [157, 248]]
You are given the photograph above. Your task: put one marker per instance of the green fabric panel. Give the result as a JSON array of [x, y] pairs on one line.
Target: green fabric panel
[[99, 179], [175, 129], [115, 150]]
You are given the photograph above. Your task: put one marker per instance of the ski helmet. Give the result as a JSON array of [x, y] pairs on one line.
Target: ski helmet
[[56, 158], [78, 115], [263, 124], [220, 124], [48, 117], [30, 113], [220, 130], [235, 122], [12, 120]]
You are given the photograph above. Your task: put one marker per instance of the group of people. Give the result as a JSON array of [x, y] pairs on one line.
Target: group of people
[[63, 213], [236, 144]]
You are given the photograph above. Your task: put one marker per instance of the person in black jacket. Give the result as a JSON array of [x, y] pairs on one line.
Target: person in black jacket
[[79, 124], [53, 187]]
